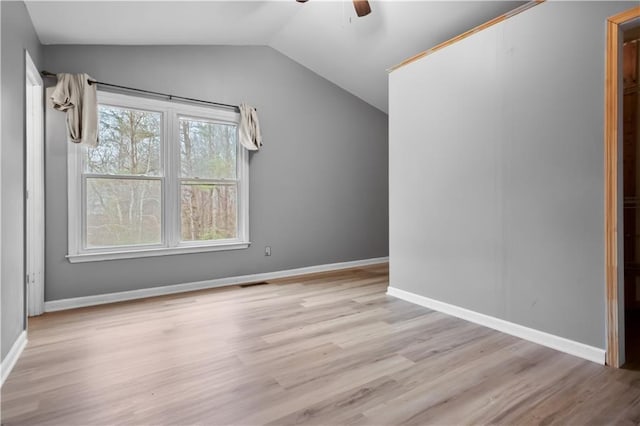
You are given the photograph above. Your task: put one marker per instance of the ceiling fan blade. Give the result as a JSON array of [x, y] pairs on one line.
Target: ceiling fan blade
[[362, 7]]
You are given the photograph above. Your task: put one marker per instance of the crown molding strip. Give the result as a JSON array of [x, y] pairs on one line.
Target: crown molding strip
[[466, 34]]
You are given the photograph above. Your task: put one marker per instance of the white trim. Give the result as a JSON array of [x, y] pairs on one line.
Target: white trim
[[156, 251], [34, 188], [79, 302], [1, 193], [31, 70], [552, 341], [10, 360], [74, 197]]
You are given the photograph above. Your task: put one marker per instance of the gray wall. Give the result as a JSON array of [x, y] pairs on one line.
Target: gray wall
[[496, 171], [17, 35], [318, 189]]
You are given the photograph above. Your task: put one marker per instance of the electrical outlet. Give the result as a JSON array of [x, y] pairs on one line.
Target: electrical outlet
[[267, 251]]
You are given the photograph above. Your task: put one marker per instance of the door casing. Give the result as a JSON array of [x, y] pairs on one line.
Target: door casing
[[34, 189], [612, 222]]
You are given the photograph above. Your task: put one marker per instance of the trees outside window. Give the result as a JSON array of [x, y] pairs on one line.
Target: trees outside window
[[208, 182], [164, 176], [123, 196]]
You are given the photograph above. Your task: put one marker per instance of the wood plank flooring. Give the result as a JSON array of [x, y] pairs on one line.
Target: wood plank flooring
[[322, 349]]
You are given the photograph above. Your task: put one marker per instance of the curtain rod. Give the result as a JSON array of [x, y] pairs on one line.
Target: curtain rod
[[167, 95]]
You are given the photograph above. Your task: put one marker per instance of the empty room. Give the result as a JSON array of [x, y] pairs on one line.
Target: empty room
[[331, 212]]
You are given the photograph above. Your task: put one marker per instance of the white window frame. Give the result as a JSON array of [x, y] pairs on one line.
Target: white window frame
[[170, 180]]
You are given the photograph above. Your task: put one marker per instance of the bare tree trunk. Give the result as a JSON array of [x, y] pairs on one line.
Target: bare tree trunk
[[224, 208], [193, 208], [141, 212], [148, 166], [133, 153], [132, 203], [133, 192], [119, 211], [212, 219]]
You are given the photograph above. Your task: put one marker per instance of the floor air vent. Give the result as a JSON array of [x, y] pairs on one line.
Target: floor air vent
[[253, 284]]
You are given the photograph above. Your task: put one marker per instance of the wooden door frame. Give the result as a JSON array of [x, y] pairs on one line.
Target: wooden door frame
[[611, 146]]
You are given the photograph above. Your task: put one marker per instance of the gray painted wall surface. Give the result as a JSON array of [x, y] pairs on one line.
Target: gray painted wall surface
[[17, 35], [496, 171], [318, 189]]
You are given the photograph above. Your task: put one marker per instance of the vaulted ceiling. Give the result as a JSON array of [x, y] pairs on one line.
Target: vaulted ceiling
[[322, 35]]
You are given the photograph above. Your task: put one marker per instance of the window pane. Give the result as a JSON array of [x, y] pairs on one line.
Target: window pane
[[123, 212], [207, 149], [129, 142], [209, 212]]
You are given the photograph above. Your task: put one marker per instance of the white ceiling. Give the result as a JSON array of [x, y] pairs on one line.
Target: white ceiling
[[323, 35]]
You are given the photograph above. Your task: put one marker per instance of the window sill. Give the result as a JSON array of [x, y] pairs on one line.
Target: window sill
[[152, 252]]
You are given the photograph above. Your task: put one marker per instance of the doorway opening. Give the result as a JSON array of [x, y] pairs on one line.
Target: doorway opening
[[631, 193], [613, 188], [34, 189]]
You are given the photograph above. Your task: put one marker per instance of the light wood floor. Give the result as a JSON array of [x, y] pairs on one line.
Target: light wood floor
[[329, 349]]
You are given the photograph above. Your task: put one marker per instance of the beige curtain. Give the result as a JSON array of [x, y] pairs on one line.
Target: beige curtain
[[249, 132], [75, 96]]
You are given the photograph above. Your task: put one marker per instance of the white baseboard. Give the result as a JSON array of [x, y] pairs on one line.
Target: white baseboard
[[10, 360], [555, 342], [79, 302]]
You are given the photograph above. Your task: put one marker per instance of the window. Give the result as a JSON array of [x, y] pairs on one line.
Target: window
[[166, 178]]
